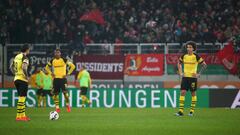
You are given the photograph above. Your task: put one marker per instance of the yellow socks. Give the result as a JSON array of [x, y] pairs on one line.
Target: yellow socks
[[21, 107], [181, 103], [193, 104], [56, 100]]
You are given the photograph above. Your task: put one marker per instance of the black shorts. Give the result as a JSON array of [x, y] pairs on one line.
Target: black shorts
[[59, 84], [83, 91], [22, 87], [39, 92], [189, 83], [46, 92]]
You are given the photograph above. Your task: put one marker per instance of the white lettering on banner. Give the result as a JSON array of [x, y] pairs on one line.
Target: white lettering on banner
[[215, 86], [152, 60], [228, 64], [236, 102], [105, 98], [70, 98], [153, 98], [173, 100], [142, 86], [30, 98], [143, 99], [206, 86], [101, 67], [3, 98], [229, 87], [14, 97], [96, 98], [152, 69], [123, 96], [49, 101], [39, 60], [177, 86], [78, 98]]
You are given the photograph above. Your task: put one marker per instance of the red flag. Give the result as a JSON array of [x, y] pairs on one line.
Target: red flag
[[94, 16], [228, 58]]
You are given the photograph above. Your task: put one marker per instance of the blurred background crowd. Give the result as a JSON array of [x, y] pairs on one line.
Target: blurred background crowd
[[124, 21]]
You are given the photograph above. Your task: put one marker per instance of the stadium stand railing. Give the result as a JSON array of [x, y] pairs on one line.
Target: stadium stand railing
[[130, 48]]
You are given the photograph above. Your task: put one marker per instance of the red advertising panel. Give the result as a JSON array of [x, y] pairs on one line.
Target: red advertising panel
[[144, 65], [101, 66], [209, 58]]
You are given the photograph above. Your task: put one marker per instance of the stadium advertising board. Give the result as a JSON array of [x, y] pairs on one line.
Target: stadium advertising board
[[144, 64], [205, 84], [101, 66], [136, 85], [36, 59], [209, 58], [108, 98], [224, 98]]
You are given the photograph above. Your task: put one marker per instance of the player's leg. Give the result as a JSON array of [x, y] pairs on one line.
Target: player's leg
[[20, 103], [22, 88], [83, 95], [65, 93], [44, 99], [56, 89], [194, 96], [184, 88], [39, 97]]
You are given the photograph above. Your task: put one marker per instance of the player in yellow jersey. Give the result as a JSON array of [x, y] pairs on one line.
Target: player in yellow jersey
[[19, 68], [187, 67], [59, 68], [85, 83]]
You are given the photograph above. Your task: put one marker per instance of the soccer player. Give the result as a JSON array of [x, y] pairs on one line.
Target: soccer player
[[85, 83], [47, 87], [59, 67], [19, 68], [187, 67]]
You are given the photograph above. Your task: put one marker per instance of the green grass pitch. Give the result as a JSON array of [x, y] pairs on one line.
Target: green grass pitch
[[125, 121]]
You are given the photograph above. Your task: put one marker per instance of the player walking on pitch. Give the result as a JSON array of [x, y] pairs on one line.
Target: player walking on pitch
[[85, 83]]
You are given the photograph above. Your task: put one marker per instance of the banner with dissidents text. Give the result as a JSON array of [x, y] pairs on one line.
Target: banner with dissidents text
[[101, 66], [208, 58], [109, 98], [144, 65]]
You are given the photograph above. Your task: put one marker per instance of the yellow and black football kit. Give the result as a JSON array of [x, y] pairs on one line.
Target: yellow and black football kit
[[190, 64], [20, 79], [59, 68], [21, 83]]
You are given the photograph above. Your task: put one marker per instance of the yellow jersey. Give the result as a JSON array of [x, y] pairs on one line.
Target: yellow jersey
[[190, 64], [59, 67], [18, 61]]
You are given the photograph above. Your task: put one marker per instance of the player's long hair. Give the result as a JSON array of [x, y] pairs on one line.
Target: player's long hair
[[192, 43]]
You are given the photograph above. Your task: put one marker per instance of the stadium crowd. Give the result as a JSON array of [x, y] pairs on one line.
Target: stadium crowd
[[147, 21]]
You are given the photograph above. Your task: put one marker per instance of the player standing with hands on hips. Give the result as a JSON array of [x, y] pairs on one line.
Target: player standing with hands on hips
[[59, 67], [187, 67]]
